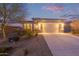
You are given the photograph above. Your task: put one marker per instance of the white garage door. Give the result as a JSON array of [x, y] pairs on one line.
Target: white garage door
[[52, 28]]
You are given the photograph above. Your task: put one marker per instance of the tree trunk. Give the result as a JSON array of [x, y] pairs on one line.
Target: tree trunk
[[4, 21], [3, 31], [4, 34]]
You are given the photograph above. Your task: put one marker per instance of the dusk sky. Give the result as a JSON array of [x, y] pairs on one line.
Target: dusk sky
[[53, 10]]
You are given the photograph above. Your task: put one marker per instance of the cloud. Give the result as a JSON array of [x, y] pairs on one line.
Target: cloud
[[53, 8]]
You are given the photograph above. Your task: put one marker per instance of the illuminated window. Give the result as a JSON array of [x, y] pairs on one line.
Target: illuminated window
[[27, 26]]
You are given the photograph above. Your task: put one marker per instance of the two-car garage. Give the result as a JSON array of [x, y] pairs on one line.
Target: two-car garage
[[51, 27]]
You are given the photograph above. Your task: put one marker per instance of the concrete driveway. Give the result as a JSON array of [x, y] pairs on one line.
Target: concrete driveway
[[63, 44]]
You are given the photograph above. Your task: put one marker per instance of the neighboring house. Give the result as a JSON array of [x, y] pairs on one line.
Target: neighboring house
[[12, 23], [75, 25], [15, 24], [11, 26]]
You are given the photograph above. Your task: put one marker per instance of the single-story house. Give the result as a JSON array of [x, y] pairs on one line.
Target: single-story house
[[46, 25]]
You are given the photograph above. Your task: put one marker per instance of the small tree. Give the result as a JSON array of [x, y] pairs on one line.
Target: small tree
[[10, 12]]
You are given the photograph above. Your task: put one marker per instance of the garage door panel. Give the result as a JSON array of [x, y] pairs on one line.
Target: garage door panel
[[51, 28]]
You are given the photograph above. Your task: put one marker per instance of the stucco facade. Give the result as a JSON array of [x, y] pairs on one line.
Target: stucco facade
[[45, 25]]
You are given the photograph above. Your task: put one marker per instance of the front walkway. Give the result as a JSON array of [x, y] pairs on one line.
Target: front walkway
[[63, 44]]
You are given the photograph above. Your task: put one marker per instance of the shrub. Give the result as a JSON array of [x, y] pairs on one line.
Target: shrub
[[29, 33], [14, 38], [35, 32], [4, 51], [1, 34]]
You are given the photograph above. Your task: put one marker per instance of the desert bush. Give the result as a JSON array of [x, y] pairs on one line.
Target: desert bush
[[1, 34], [29, 33], [35, 32], [14, 39], [4, 51]]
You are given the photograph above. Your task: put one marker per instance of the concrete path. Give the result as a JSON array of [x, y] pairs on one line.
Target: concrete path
[[63, 44]]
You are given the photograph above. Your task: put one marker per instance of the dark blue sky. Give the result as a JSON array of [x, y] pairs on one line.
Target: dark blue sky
[[53, 10]]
